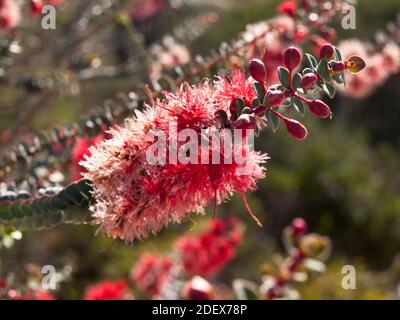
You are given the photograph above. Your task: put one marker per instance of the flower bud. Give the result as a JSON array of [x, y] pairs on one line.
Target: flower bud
[[299, 227], [296, 129], [35, 7], [338, 66], [326, 51], [309, 80], [320, 109], [198, 288], [292, 58], [245, 121], [276, 98], [257, 70]]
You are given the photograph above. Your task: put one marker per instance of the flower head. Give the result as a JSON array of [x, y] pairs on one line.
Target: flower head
[[134, 197]]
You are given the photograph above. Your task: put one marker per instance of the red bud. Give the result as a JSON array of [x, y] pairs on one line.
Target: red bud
[[257, 70], [276, 98], [198, 288], [299, 226], [326, 51], [292, 58], [245, 121], [338, 66], [308, 80], [296, 129], [35, 7], [320, 109]]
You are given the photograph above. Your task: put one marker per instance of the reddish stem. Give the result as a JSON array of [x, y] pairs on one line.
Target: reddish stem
[[249, 210]]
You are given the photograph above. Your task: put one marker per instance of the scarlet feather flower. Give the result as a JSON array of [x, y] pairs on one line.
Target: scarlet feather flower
[[108, 290], [151, 273], [207, 253], [80, 149], [134, 197]]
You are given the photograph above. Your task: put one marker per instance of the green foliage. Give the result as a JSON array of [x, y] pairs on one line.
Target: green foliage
[[48, 210]]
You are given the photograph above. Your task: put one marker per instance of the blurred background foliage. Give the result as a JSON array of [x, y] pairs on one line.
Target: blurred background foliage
[[344, 180]]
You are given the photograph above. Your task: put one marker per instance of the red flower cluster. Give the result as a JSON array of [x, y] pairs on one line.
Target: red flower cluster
[[108, 290], [149, 195], [207, 253], [151, 272]]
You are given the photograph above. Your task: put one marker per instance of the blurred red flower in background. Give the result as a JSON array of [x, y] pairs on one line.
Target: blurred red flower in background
[[151, 272], [108, 290], [80, 149], [207, 253]]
